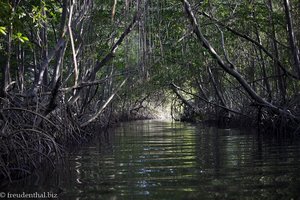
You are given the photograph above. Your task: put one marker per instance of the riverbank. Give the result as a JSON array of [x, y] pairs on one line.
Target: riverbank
[[30, 139], [264, 121]]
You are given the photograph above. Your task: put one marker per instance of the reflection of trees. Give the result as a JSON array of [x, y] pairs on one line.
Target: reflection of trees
[[161, 160], [158, 157], [237, 164]]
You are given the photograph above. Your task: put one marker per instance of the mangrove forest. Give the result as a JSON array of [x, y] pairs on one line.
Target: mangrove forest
[[217, 83]]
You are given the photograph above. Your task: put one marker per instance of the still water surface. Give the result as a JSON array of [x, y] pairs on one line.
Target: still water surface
[[165, 160]]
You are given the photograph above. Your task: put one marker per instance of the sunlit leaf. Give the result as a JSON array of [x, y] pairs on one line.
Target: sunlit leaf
[[25, 38], [3, 30]]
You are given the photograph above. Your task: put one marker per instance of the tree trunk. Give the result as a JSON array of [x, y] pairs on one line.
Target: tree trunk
[[279, 72], [292, 39], [44, 37], [73, 43], [6, 79], [215, 85], [61, 52], [264, 72]]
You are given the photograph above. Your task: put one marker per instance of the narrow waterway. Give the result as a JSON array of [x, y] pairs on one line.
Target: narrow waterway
[[164, 160]]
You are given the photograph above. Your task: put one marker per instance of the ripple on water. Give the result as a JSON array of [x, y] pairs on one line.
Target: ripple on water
[[163, 160]]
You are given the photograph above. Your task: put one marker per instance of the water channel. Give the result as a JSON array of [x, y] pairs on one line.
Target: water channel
[[172, 160]]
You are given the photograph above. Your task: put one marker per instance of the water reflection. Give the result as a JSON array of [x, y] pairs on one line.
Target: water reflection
[[163, 160]]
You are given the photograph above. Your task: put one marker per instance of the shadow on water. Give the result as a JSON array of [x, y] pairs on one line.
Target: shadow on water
[[164, 160]]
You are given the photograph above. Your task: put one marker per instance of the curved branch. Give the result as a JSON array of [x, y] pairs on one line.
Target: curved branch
[[259, 45], [230, 69]]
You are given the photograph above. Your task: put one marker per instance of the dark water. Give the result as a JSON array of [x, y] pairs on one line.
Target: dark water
[[164, 160]]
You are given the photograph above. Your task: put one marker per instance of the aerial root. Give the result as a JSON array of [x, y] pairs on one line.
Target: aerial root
[[28, 137]]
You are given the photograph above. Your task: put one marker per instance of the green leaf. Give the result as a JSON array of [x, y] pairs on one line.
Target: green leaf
[[19, 36], [25, 38], [3, 30]]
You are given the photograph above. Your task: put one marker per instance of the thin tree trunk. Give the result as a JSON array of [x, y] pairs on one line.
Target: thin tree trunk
[[44, 36], [6, 79], [20, 70], [46, 62], [72, 43], [61, 52], [219, 95], [113, 12], [279, 72], [264, 72], [292, 39]]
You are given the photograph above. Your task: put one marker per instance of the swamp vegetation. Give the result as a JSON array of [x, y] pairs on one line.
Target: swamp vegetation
[[71, 66]]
